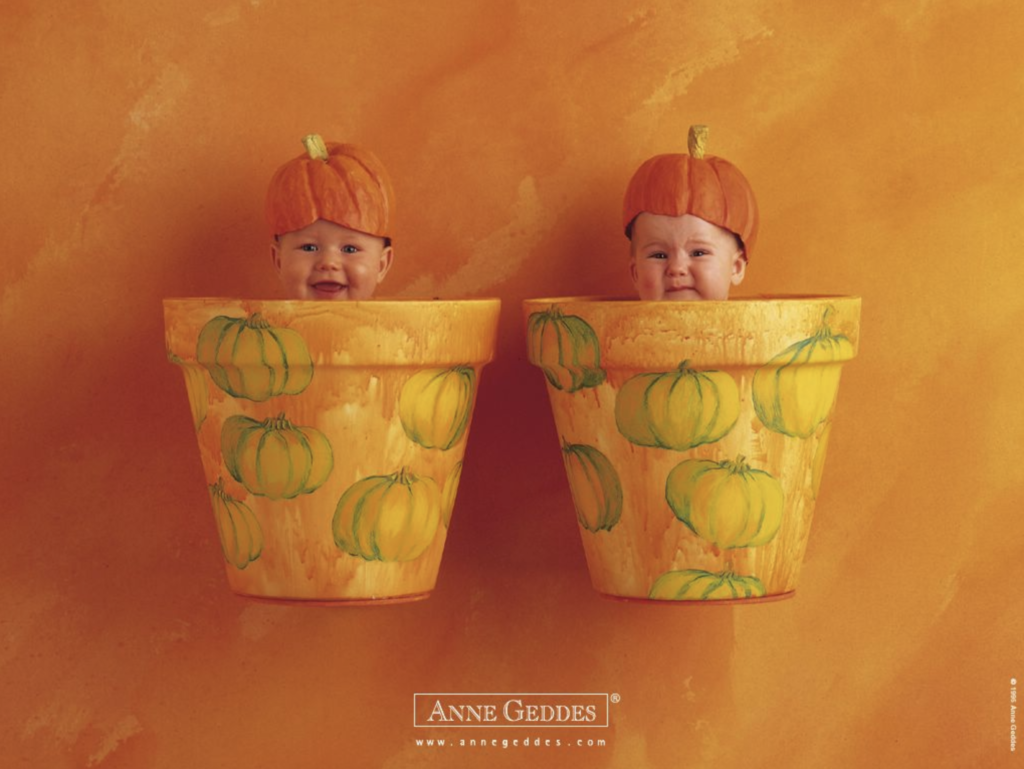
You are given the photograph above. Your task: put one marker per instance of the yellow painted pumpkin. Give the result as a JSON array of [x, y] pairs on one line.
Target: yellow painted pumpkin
[[274, 458], [566, 349], [699, 585], [678, 409], [434, 406], [729, 504], [249, 358], [388, 517], [595, 486], [197, 389], [241, 537], [451, 487], [795, 391]]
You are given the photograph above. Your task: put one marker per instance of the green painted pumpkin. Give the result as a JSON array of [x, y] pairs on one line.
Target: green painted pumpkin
[[796, 390], [249, 358], [699, 585], [678, 409], [566, 349], [274, 458], [595, 486], [435, 405], [729, 504], [241, 538], [388, 517]]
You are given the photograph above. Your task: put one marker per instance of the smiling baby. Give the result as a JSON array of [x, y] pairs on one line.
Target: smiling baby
[[692, 222], [329, 212]]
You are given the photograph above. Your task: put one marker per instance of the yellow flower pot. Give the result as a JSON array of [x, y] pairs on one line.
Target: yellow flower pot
[[693, 435], [332, 437]]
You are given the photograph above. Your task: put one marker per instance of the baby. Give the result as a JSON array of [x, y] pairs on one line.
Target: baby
[[329, 213], [692, 222]]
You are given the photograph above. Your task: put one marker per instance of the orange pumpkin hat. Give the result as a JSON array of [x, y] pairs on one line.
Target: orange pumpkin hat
[[341, 183], [707, 187]]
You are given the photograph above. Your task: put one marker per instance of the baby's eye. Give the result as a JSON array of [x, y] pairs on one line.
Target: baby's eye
[[308, 247], [658, 255], [350, 249], [699, 252]]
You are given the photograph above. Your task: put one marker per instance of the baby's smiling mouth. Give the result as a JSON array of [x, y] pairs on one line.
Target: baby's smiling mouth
[[329, 286]]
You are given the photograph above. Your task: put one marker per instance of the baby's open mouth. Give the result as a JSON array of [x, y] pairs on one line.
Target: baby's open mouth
[[329, 286]]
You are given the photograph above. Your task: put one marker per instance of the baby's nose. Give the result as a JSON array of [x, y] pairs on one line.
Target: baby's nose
[[678, 264], [330, 259]]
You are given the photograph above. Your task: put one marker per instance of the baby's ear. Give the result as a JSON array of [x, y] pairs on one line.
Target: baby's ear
[[387, 256], [739, 268]]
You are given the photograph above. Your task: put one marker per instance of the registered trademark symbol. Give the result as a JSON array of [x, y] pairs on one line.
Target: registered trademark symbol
[[616, 698]]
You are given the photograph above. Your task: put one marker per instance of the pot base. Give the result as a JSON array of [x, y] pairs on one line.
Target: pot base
[[713, 602], [383, 601]]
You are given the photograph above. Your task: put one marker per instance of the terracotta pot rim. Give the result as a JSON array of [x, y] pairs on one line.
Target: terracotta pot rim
[[619, 301], [389, 334], [636, 335], [383, 304]]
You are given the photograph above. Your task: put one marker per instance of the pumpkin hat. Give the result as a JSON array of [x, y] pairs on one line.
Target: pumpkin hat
[[708, 187], [341, 183]]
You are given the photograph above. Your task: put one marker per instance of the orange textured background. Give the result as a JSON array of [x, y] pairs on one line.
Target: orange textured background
[[884, 142]]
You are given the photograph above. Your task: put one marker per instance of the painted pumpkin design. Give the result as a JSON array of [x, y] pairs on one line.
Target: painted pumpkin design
[[796, 390], [197, 389], [729, 504], [678, 409], [595, 486], [451, 487], [699, 585], [566, 349], [388, 517], [241, 538], [274, 458], [249, 358], [435, 404]]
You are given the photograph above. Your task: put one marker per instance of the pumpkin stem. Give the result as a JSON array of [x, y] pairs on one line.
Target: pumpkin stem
[[256, 320], [684, 366], [315, 147], [405, 477], [739, 465], [555, 311], [277, 423], [829, 311], [697, 140]]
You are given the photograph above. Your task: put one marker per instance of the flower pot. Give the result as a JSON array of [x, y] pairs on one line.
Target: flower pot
[[332, 437], [693, 435]]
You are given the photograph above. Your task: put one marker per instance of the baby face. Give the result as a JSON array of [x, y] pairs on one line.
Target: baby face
[[326, 261], [684, 258]]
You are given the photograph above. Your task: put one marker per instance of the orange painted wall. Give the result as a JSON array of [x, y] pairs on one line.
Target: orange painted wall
[[884, 141]]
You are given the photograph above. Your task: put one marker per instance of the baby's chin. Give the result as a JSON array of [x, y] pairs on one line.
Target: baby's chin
[[682, 295]]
